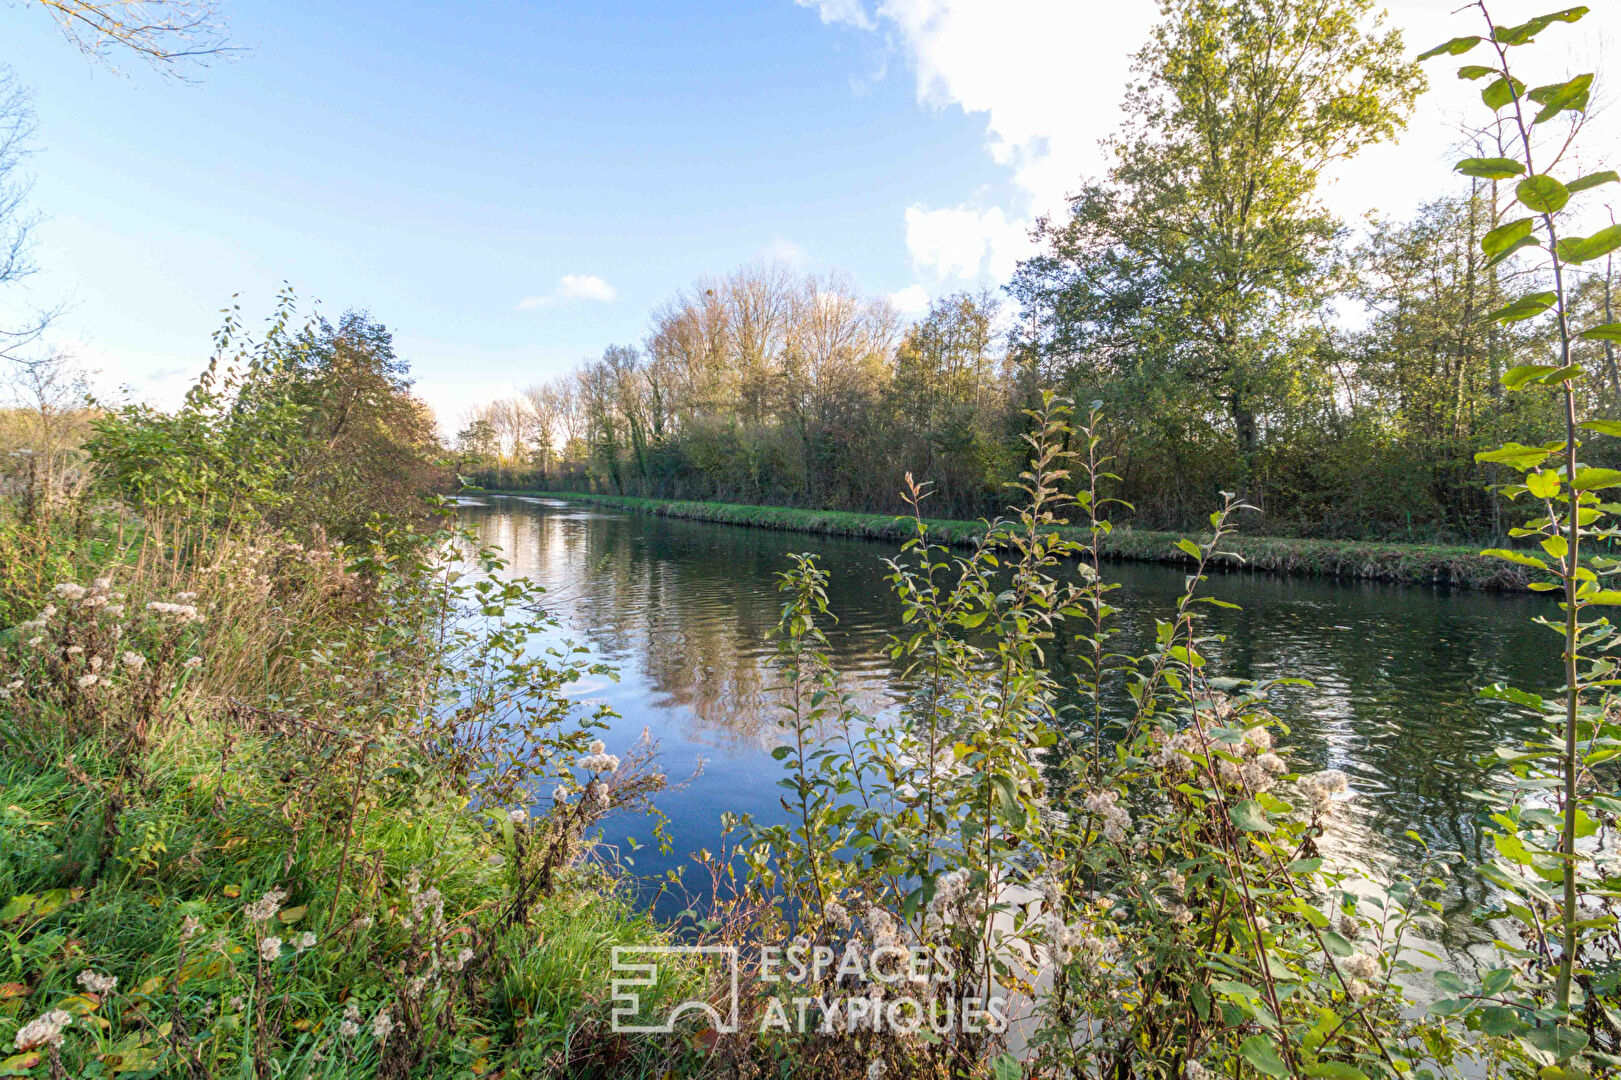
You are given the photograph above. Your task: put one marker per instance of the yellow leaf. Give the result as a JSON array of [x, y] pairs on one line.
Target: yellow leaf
[[232, 891], [80, 1004], [292, 914]]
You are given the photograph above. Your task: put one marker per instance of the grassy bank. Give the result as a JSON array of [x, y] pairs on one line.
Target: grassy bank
[[1419, 564]]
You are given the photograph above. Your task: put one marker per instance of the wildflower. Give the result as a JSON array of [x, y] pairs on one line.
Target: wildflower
[[1361, 965], [838, 916], [461, 960], [193, 662], [36, 641], [182, 613], [269, 948], [599, 791], [364, 922], [74, 650], [348, 1029], [1116, 820], [598, 746], [1272, 763], [1258, 740], [599, 763], [881, 925], [1255, 777], [237, 1003], [185, 597], [85, 682], [95, 663], [381, 1025], [14, 684], [430, 904], [517, 817], [1179, 914], [1196, 1071], [559, 795], [265, 908], [132, 660], [1348, 928], [1178, 881], [1262, 923], [306, 940], [189, 927], [70, 591], [43, 1030], [97, 983], [876, 1070], [1358, 989], [1321, 787], [115, 610]]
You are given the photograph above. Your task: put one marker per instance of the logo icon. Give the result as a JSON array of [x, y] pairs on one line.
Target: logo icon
[[640, 963]]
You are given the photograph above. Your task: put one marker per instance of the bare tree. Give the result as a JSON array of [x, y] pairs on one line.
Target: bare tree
[[43, 425], [168, 34], [17, 330]]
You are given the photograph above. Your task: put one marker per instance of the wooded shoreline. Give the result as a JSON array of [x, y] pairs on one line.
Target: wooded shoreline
[[1410, 564]]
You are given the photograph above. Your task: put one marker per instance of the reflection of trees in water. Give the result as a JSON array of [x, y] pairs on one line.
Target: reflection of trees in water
[[692, 610], [1396, 669]]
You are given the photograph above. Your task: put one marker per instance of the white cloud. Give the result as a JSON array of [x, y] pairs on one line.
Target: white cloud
[[912, 300], [571, 287], [784, 251], [1014, 63], [849, 12], [964, 242]]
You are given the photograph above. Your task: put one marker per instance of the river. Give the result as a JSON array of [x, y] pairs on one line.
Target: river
[[684, 611]]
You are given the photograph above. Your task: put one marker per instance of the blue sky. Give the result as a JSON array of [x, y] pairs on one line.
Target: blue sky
[[512, 186]]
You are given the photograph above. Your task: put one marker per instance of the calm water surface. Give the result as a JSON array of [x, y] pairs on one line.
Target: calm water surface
[[684, 611]]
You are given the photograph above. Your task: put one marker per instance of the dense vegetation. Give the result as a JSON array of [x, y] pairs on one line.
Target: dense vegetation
[[288, 791], [1190, 289]]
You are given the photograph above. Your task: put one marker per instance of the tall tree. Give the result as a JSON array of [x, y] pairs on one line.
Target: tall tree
[[1204, 253]]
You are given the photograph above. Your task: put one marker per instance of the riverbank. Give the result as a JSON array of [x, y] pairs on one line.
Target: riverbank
[[1413, 564]]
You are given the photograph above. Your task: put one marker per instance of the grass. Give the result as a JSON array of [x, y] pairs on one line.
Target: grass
[[1415, 564], [278, 743]]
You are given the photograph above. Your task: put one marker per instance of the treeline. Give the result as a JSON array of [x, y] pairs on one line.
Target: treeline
[[1238, 334]]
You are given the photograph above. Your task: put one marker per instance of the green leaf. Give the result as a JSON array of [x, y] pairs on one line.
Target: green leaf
[[1603, 332], [1593, 479], [1249, 816], [1456, 47], [1490, 168], [1593, 180], [1336, 1070], [1519, 557], [1526, 307], [1336, 943], [1514, 455], [1603, 427], [1500, 92], [1189, 547], [1585, 248], [1560, 1041], [1505, 237], [1523, 33], [1007, 796], [1542, 193], [1542, 485], [292, 914], [1006, 1067], [1558, 97], [1258, 1051], [1475, 71]]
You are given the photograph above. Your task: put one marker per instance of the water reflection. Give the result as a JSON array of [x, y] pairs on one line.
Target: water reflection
[[684, 610]]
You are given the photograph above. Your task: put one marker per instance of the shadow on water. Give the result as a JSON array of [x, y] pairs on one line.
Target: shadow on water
[[684, 611]]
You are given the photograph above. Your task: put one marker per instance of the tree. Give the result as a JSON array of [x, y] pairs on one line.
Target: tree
[[165, 33], [17, 331], [1201, 258]]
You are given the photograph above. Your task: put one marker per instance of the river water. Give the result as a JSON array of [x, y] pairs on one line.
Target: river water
[[684, 611]]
